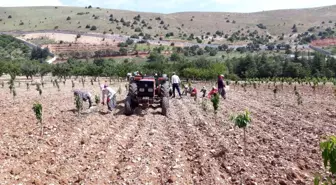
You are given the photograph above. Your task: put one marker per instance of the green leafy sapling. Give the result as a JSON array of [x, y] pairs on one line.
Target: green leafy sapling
[[78, 104], [242, 121], [215, 102], [97, 99], [37, 108], [328, 148]]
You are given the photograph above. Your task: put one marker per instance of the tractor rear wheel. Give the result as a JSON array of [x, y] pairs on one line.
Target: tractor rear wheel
[[165, 89], [133, 89], [165, 105], [128, 106]]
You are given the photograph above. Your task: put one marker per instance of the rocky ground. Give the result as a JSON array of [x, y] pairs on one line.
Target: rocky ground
[[190, 146]]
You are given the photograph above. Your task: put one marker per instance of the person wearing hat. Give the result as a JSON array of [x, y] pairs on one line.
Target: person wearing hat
[[111, 96], [175, 80], [221, 86], [86, 96]]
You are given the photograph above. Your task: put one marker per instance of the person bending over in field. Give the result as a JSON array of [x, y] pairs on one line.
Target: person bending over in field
[[86, 96], [203, 90], [193, 93], [212, 92], [110, 95]]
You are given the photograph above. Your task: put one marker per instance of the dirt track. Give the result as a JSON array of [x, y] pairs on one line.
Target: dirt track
[[188, 147]]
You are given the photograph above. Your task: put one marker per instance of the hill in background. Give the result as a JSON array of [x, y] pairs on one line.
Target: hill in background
[[278, 25]]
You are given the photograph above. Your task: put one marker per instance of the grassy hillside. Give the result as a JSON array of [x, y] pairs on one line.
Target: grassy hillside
[[198, 23], [13, 49]]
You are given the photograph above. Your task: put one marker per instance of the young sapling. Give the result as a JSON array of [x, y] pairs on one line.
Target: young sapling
[[242, 121], [78, 104], [215, 102], [83, 82], [57, 85], [37, 108], [328, 148], [97, 99], [38, 88]]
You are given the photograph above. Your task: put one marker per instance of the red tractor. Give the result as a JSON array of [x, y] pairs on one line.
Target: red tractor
[[147, 91]]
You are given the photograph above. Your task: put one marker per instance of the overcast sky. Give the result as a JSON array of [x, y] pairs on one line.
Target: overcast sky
[[170, 6]]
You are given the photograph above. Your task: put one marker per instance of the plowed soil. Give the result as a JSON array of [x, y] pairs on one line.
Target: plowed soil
[[190, 146]]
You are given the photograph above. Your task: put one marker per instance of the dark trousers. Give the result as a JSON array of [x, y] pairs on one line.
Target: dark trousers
[[176, 86], [222, 92]]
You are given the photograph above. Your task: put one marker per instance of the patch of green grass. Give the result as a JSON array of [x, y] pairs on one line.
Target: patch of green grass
[[333, 51]]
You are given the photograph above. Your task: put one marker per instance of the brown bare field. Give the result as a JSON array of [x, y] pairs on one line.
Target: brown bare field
[[65, 48], [71, 38], [324, 42], [190, 146]]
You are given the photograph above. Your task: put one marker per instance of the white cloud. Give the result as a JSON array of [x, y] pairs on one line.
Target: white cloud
[[11, 3]]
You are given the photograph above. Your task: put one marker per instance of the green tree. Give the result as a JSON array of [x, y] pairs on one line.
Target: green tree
[[123, 51], [44, 69], [175, 57], [29, 69]]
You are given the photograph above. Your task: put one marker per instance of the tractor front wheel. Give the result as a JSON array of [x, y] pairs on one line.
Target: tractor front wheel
[[128, 106], [165, 106]]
